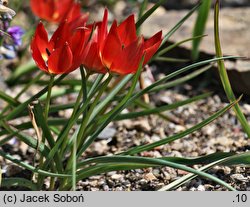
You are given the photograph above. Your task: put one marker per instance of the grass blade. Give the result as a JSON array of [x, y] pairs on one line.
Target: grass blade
[[223, 73], [114, 112], [160, 109], [238, 159], [180, 160], [18, 182], [21, 70], [172, 60], [8, 99], [167, 49], [130, 162], [180, 135], [178, 25], [200, 26], [181, 80], [186, 178], [31, 168], [19, 109], [148, 13]]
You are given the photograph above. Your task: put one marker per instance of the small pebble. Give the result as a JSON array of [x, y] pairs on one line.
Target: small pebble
[[150, 177], [201, 188]]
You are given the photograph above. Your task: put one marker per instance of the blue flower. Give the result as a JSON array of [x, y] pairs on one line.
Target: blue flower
[[16, 33]]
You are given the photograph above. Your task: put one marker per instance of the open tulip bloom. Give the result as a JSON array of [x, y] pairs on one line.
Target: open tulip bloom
[[120, 50], [65, 50], [98, 49], [110, 60], [57, 11]]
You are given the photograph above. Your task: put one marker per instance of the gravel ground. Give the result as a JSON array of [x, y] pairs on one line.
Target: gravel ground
[[223, 135]]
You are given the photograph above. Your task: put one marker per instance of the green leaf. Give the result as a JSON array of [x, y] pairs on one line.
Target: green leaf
[[238, 159], [8, 99], [110, 96], [20, 108], [178, 25], [186, 178], [180, 160], [223, 73], [22, 70], [40, 119], [180, 80], [167, 49], [132, 162], [70, 123], [59, 92], [160, 109], [31, 168], [24, 89], [114, 112], [143, 7], [18, 182], [200, 26], [180, 135], [30, 141], [149, 13], [172, 60], [170, 76]]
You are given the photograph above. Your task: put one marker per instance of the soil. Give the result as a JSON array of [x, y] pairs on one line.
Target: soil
[[223, 135]]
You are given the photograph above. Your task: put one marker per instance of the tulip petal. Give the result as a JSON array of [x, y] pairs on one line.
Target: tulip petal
[[60, 60], [74, 12], [43, 9], [36, 6], [112, 46], [103, 30], [38, 57], [60, 35], [127, 31], [76, 41], [62, 9], [41, 40], [151, 46], [93, 61], [77, 45], [129, 59]]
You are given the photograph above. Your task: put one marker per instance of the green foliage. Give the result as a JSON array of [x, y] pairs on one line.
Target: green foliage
[[200, 26], [60, 143]]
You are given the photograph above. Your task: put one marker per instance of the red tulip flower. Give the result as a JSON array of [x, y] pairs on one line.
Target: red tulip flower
[[65, 50], [57, 11], [120, 50]]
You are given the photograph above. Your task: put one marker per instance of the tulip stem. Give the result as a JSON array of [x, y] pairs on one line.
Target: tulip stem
[[47, 103], [81, 134], [46, 114], [84, 77], [82, 95], [80, 138]]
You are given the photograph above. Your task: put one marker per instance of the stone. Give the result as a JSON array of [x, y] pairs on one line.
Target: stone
[[142, 125], [234, 39], [116, 176], [201, 188], [150, 177], [239, 177], [107, 133]]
